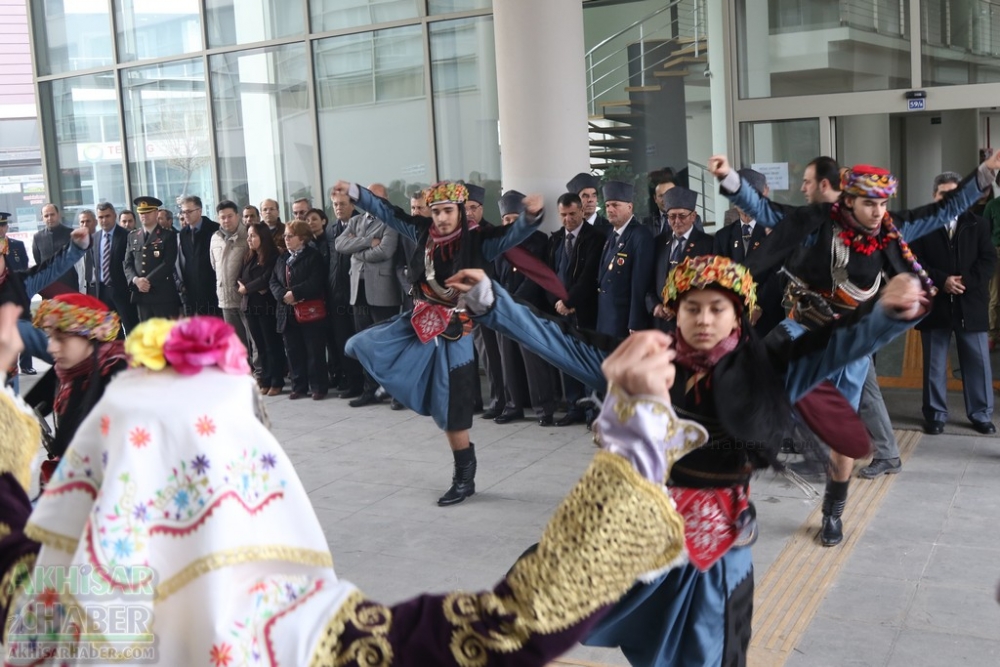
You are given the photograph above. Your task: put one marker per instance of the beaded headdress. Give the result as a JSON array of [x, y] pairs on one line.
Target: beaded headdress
[[446, 192], [78, 315], [863, 180], [710, 271]]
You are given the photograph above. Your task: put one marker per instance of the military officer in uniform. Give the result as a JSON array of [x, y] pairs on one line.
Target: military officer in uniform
[[149, 263]]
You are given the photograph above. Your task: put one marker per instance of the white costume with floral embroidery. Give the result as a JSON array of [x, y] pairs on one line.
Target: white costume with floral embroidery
[[178, 515]]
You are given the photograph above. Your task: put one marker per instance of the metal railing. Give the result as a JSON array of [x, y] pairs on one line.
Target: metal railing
[[970, 26], [700, 180]]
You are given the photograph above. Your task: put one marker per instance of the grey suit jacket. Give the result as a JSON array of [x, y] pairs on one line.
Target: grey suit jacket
[[375, 266]]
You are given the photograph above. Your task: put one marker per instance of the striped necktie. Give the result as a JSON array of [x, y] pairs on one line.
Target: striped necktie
[[106, 257]]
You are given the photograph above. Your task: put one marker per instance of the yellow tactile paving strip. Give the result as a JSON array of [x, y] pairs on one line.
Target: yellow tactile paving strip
[[787, 596]]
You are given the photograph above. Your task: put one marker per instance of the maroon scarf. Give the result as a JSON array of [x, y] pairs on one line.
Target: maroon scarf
[[108, 354], [701, 362]]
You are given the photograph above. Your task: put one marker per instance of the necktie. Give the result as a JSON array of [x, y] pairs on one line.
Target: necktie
[[677, 254], [106, 258], [951, 230], [566, 259], [609, 250]]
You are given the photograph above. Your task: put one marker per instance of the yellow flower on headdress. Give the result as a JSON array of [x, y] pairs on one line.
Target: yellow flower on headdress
[[144, 344], [710, 271]]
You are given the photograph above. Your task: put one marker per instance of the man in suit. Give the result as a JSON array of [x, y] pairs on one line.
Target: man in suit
[[486, 342], [271, 217], [585, 186], [197, 273], [738, 240], [657, 222], [49, 241], [371, 245], [960, 259], [346, 373], [17, 260], [626, 272], [574, 253], [107, 253], [680, 241], [149, 264]]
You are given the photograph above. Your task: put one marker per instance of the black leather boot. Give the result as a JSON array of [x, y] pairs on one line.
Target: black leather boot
[[832, 532], [463, 484]]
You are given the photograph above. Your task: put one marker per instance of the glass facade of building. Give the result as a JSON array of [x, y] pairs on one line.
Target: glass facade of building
[[263, 99]]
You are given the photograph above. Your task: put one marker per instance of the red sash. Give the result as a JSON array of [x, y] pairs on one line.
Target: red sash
[[710, 517]]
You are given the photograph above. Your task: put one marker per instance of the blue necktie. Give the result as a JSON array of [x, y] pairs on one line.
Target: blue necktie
[[678, 252]]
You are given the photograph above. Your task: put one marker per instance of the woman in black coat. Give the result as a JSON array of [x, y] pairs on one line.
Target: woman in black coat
[[299, 277], [260, 308]]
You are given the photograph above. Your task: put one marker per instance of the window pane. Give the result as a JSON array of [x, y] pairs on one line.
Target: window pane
[[339, 14], [166, 122], [448, 6], [71, 35], [960, 41], [22, 184], [263, 129], [811, 47], [87, 150], [463, 75], [373, 81], [781, 150], [154, 28], [245, 21]]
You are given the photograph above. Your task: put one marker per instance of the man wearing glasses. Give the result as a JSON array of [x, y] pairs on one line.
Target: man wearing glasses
[[197, 273], [679, 241]]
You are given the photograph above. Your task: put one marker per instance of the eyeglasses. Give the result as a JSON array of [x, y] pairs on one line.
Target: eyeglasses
[[677, 217], [189, 211]]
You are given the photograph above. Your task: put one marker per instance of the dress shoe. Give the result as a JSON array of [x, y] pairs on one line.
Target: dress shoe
[[491, 413], [29, 371], [881, 467], [508, 417], [319, 395], [366, 398], [274, 391], [381, 393], [348, 393], [296, 395], [984, 427], [396, 405], [546, 420], [263, 390], [571, 417], [934, 427]]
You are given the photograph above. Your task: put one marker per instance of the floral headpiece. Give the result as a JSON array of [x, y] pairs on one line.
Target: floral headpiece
[[710, 271], [4, 246], [446, 192], [188, 345], [78, 315], [863, 180]]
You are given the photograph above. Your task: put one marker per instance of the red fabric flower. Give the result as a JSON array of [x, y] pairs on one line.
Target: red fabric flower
[[198, 342]]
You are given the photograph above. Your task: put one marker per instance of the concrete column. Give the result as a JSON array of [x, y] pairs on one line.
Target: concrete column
[[542, 89]]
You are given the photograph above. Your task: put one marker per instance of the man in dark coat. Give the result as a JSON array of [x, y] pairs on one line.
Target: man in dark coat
[[149, 264], [201, 297], [585, 186], [107, 252], [52, 239], [960, 259], [574, 253], [680, 241], [345, 371], [626, 271]]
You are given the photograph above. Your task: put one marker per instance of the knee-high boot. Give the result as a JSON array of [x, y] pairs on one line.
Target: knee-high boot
[[834, 501], [463, 483]]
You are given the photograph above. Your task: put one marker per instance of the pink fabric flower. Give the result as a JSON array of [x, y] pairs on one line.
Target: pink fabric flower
[[198, 342]]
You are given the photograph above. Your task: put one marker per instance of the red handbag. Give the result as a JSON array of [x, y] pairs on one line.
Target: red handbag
[[310, 310]]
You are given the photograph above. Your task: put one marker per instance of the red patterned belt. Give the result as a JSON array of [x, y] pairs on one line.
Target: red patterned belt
[[430, 320], [712, 520]]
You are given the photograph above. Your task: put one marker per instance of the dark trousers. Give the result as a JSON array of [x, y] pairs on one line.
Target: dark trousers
[[304, 345], [122, 305], [265, 336], [977, 381], [169, 311], [340, 327], [366, 316], [526, 377], [488, 348]]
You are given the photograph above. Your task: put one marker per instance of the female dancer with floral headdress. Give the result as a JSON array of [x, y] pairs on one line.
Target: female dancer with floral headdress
[[424, 358], [176, 531], [740, 389], [835, 256]]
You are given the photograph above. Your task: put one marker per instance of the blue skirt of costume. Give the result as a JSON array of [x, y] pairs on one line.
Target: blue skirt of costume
[[685, 618], [437, 378]]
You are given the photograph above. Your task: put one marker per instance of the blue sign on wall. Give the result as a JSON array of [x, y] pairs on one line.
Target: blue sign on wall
[[915, 105]]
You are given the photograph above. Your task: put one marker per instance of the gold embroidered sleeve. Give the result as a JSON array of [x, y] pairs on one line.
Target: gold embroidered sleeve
[[21, 439], [613, 526], [11, 584]]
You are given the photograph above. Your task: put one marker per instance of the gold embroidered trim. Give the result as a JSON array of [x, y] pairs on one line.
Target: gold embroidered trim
[[625, 407], [50, 539], [4, 530], [13, 579], [22, 436], [371, 650], [221, 559]]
